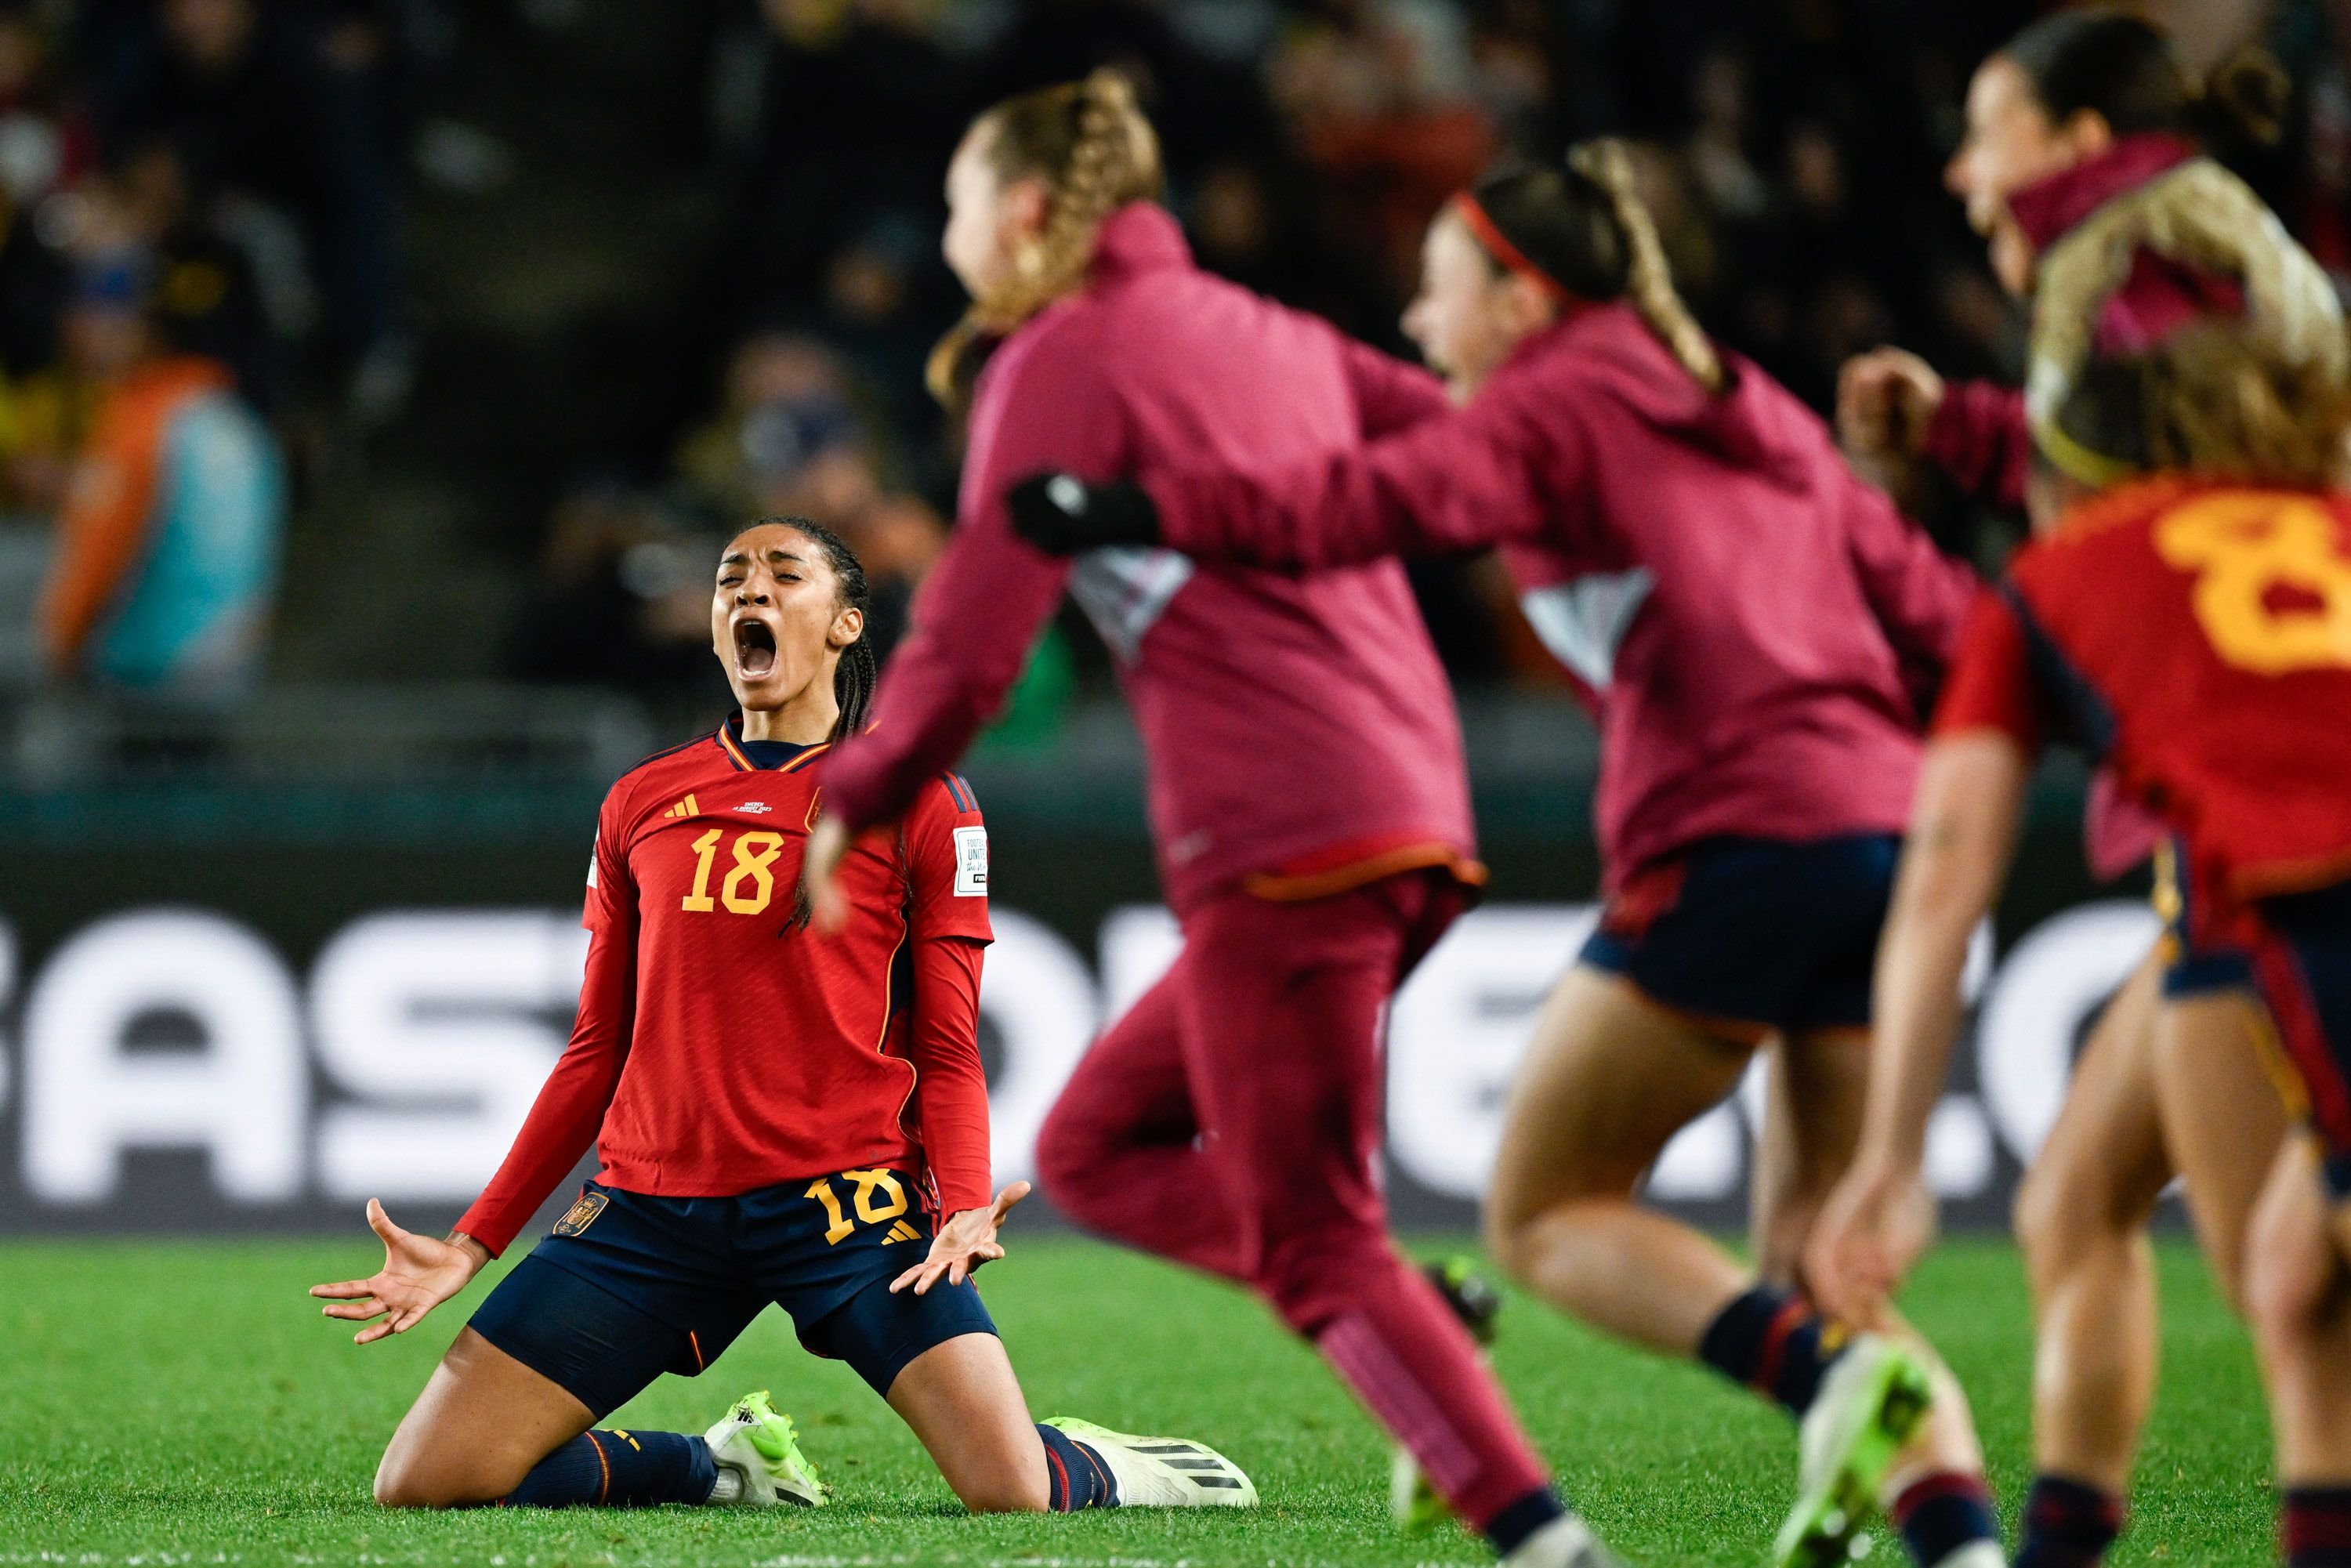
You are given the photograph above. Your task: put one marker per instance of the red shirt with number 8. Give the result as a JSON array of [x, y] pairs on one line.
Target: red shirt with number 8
[[2197, 633]]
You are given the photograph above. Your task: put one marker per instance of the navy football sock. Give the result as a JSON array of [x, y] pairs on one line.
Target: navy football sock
[[1942, 1513], [1075, 1475], [1773, 1343], [2317, 1527], [619, 1470], [2067, 1523], [1509, 1529]]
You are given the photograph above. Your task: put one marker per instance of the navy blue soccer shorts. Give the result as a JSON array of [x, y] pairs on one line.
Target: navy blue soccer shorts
[[1750, 937], [629, 1286], [2195, 964], [2302, 962]]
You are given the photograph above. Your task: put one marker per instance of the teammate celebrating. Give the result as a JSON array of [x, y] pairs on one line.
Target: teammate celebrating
[[780, 1119], [2193, 625], [2080, 117], [1742, 613], [1308, 797]]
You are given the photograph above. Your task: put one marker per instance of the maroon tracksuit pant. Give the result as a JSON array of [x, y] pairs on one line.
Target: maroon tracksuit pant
[[1232, 1122]]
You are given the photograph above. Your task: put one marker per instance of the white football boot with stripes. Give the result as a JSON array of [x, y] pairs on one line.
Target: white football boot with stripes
[[1162, 1472]]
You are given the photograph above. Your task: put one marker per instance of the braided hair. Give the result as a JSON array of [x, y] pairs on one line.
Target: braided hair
[[1586, 228], [1096, 152]]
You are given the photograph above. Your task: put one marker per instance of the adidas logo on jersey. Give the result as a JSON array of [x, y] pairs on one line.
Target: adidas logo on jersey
[[685, 808], [901, 1231]]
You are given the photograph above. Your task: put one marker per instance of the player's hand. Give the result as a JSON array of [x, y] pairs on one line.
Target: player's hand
[[965, 1242], [821, 876], [1876, 1225], [1061, 514], [1886, 401], [419, 1273]]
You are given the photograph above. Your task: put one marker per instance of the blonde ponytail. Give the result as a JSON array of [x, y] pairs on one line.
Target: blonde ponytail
[[1649, 280], [1091, 145]]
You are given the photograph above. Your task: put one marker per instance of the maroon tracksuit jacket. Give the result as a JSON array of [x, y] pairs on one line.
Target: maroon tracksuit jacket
[[1749, 619], [1300, 733]]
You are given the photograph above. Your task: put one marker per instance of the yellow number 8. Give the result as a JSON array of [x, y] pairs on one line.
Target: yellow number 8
[[2244, 546], [754, 860]]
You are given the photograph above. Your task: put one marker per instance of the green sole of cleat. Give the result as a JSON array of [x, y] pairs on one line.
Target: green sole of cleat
[[1826, 1528], [1411, 1502]]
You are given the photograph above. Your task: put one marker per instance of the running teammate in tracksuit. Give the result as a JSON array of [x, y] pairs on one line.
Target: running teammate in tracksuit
[[780, 1119], [2080, 113], [2191, 625], [1751, 622], [1307, 791]]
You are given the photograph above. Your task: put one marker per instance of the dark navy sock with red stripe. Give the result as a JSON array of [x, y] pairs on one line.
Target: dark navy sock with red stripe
[[619, 1468], [1075, 1475], [2317, 1527], [1773, 1343], [1942, 1513], [2067, 1523]]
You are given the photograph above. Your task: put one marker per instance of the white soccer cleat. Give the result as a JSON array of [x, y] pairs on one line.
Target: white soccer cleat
[[1162, 1472], [759, 1460], [1870, 1401], [1566, 1543]]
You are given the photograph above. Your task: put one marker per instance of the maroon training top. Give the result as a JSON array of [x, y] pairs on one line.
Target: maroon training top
[[1299, 732], [1750, 621]]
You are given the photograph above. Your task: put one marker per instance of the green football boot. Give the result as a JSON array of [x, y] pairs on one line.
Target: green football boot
[[755, 1445], [1870, 1402]]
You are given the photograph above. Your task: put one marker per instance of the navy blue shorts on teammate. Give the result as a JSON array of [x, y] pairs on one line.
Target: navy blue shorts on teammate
[[629, 1286], [2194, 964], [2304, 964], [1754, 936]]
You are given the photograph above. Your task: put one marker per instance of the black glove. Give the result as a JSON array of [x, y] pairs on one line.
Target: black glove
[[1062, 514]]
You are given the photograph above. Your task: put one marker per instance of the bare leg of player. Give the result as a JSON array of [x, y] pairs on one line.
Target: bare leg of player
[[2299, 1290], [484, 1420], [2081, 1218], [962, 1401], [2224, 1118], [1814, 1089], [1608, 1080]]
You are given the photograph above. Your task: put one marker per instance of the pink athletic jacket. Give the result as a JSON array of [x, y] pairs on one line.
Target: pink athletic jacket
[[1300, 731], [1749, 619]]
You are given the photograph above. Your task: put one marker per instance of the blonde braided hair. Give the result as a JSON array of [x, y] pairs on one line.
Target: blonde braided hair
[[2263, 392], [1092, 146], [1649, 280]]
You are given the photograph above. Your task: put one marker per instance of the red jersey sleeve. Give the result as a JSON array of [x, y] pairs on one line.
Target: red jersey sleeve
[[1992, 683], [947, 867], [1042, 403], [1476, 476], [569, 1110]]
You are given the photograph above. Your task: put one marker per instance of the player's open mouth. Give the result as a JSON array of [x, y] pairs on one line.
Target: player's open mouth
[[754, 650]]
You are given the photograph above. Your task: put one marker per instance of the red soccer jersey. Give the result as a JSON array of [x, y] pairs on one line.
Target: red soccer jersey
[[2198, 634], [719, 1046]]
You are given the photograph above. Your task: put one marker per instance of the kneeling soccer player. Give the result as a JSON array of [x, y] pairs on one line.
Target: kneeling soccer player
[[781, 1118]]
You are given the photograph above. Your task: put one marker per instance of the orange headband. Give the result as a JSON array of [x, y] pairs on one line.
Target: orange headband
[[1510, 256]]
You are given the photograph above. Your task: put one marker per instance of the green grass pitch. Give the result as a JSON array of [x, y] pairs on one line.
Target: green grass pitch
[[176, 1404]]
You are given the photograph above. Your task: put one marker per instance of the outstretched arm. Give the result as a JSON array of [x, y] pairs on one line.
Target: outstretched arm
[[1494, 471], [1880, 1216], [985, 603], [1962, 836]]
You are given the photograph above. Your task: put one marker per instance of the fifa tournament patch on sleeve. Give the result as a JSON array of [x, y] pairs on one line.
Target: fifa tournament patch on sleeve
[[971, 862]]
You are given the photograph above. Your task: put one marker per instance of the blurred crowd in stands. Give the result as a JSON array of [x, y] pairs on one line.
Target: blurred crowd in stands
[[1792, 149], [200, 200]]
